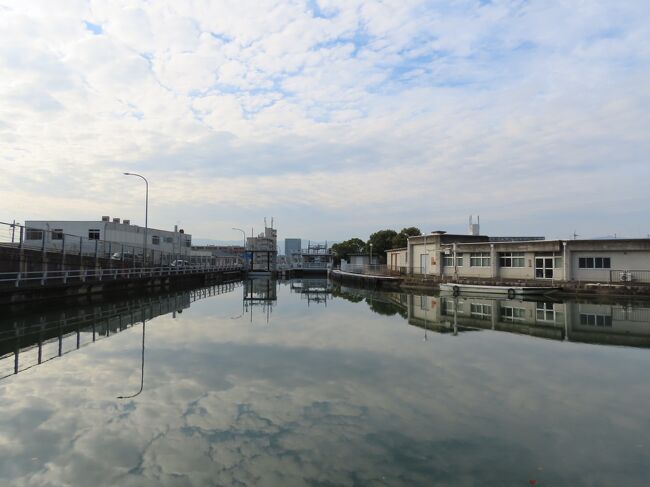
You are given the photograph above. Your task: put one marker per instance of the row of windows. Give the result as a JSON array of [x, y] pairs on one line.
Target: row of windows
[[449, 260], [93, 234], [481, 311], [545, 312], [594, 263], [512, 259], [509, 313], [479, 259], [518, 260], [596, 320]]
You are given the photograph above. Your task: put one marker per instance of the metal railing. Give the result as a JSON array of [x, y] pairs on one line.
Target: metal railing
[[316, 265], [370, 269], [44, 278], [52, 241], [629, 276]]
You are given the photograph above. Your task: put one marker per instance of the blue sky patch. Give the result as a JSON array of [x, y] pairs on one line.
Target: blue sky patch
[[96, 29]]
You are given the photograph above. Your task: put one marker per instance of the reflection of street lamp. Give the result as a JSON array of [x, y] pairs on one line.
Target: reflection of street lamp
[[141, 372], [146, 212]]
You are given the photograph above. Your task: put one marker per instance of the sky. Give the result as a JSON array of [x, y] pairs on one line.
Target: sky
[[336, 118]]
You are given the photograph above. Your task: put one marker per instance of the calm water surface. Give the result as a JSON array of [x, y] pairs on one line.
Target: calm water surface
[[301, 384]]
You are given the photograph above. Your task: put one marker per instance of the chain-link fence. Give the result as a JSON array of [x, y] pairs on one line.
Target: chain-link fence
[[127, 255]]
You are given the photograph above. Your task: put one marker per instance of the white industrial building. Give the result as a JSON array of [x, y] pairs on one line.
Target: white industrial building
[[109, 236], [480, 257]]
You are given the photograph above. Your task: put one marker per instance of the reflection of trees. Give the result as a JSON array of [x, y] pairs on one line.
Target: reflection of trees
[[382, 308], [375, 303], [353, 298]]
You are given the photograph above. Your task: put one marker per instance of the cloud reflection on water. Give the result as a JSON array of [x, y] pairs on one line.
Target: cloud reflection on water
[[338, 396]]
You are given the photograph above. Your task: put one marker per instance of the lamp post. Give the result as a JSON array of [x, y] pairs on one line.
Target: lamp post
[[146, 212], [370, 255], [141, 369]]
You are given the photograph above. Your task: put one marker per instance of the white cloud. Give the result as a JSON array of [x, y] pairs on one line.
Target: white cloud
[[467, 102]]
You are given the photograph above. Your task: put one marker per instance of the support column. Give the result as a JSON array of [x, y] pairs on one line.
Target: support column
[[566, 257], [494, 263]]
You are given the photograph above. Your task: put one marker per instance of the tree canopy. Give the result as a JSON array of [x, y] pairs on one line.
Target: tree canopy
[[382, 241], [401, 238], [342, 250]]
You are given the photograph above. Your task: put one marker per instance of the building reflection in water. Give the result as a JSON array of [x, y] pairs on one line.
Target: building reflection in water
[[589, 322], [35, 336], [313, 290], [32, 337], [259, 293], [613, 324]]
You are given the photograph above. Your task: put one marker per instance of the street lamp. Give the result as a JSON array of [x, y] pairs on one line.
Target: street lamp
[[146, 211], [370, 253]]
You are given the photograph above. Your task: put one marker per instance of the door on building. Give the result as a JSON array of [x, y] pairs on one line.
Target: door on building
[[424, 260], [544, 267]]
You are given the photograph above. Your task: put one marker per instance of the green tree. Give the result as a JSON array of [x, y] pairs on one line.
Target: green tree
[[401, 239], [382, 241], [342, 250]]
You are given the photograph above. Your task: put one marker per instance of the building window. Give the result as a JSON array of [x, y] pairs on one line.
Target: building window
[[594, 263], [452, 307], [602, 321], [508, 313], [546, 312], [448, 260], [169, 239], [481, 311], [188, 243], [33, 234], [93, 234], [512, 259], [155, 240], [57, 234], [479, 259]]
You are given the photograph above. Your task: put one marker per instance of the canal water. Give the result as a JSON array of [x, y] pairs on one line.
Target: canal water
[[306, 383]]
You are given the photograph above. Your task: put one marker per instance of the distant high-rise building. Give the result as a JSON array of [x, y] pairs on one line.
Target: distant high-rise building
[[292, 246]]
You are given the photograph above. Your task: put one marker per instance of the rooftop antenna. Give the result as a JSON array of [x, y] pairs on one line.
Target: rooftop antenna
[[575, 235], [271, 222], [474, 228]]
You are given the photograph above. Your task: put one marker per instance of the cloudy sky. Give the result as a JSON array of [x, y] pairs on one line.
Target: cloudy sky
[[337, 118]]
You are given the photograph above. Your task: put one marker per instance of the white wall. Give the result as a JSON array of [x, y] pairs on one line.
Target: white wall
[[620, 261], [118, 234]]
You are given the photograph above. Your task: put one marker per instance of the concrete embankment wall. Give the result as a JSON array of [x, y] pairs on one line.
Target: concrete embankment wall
[[368, 282], [432, 283]]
